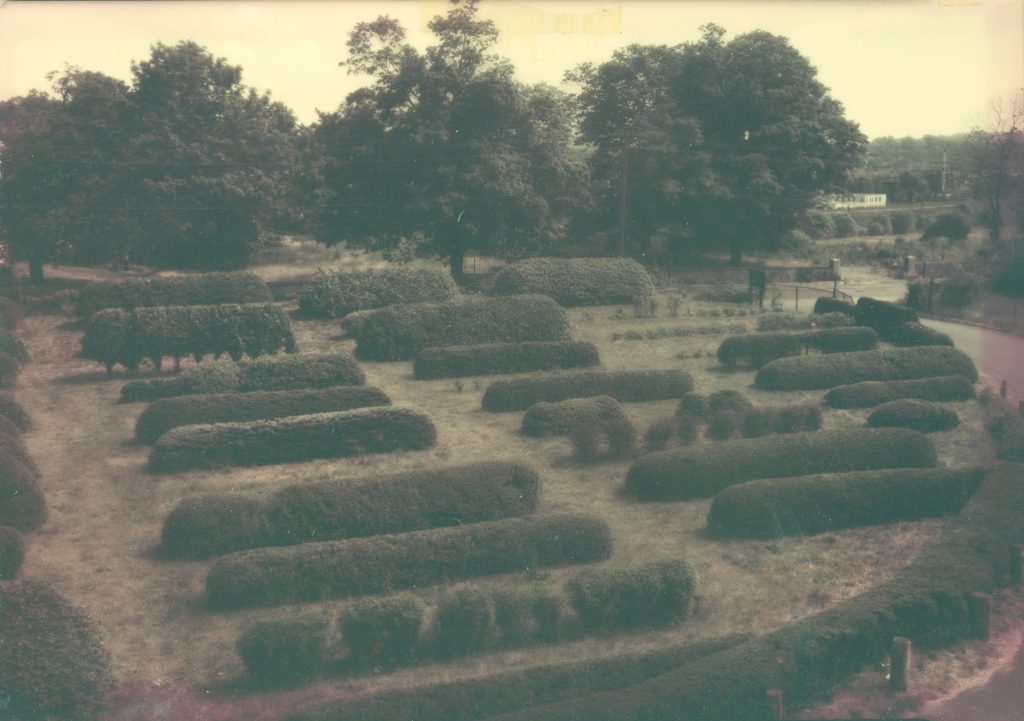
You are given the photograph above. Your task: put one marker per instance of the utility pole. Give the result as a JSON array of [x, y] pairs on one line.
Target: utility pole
[[623, 190]]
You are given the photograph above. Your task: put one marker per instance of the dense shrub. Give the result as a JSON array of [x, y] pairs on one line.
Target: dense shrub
[[210, 377], [562, 417], [883, 316], [169, 413], [683, 429], [757, 349], [915, 334], [655, 593], [1010, 280], [517, 394], [198, 289], [920, 415], [11, 316], [464, 623], [960, 290], [8, 369], [499, 358], [880, 224], [610, 438], [764, 420], [315, 571], [382, 632], [818, 225], [22, 504], [12, 552], [701, 471], [53, 667], [128, 337], [872, 393], [336, 293], [577, 281], [846, 226], [693, 405], [833, 305], [723, 425], [1006, 426], [903, 221], [529, 614], [379, 429], [832, 501], [948, 225], [283, 652], [834, 369], [12, 346], [400, 332], [210, 524], [842, 340]]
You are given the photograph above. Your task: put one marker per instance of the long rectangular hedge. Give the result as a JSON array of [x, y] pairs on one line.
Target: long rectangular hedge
[[336, 293], [127, 337], [163, 415], [564, 417], [498, 358], [379, 429], [518, 394], [872, 393], [812, 504], [756, 349], [577, 281], [886, 364], [927, 602], [883, 316], [195, 289], [399, 332], [704, 470], [314, 571], [319, 510]]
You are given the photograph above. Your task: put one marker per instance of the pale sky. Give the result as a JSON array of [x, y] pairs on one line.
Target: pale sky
[[900, 67]]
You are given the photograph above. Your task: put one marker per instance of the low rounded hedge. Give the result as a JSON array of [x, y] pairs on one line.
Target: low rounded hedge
[[702, 471], [284, 652], [213, 524], [379, 429], [13, 411], [383, 632], [754, 422], [577, 281], [11, 314], [872, 393], [832, 501], [919, 415], [399, 332], [9, 369], [336, 293], [13, 346], [22, 504], [169, 413], [563, 417], [315, 571], [883, 316], [196, 289], [756, 349], [501, 358], [915, 334], [518, 394], [833, 305], [128, 337], [656, 593], [12, 552], [835, 369]]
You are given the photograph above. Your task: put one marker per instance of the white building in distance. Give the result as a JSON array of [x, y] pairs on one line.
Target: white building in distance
[[856, 200]]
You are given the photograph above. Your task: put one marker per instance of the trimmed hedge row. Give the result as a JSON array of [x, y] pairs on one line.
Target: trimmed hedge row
[[834, 305], [834, 369], [916, 334], [919, 415], [518, 394], [197, 289], [756, 349], [872, 393], [766, 420], [22, 504], [379, 429], [577, 281], [1006, 426], [12, 552], [883, 316], [13, 346], [832, 501], [269, 373], [315, 571], [399, 332], [128, 337], [285, 651], [336, 293], [656, 593], [702, 471], [169, 413], [500, 358], [13, 411], [562, 417]]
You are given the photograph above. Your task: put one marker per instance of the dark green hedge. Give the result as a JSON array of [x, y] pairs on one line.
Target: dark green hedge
[[656, 593], [887, 364], [912, 413], [336, 293], [827, 502], [833, 305], [872, 393], [914, 334], [883, 316], [284, 652], [702, 471], [765, 420], [9, 369], [577, 281], [399, 332], [379, 429], [383, 632], [198, 289], [842, 340], [518, 394], [562, 417], [501, 358], [13, 346], [13, 411], [128, 337], [210, 524], [756, 349], [12, 552], [169, 413], [22, 504], [314, 571], [1006, 426]]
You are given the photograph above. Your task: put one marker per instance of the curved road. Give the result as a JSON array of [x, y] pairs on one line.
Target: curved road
[[997, 354]]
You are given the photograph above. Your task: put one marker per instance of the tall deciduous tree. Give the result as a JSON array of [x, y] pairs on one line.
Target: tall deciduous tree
[[995, 162]]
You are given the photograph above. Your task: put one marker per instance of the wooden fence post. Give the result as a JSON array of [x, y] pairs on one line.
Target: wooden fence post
[[979, 607], [776, 701], [899, 664]]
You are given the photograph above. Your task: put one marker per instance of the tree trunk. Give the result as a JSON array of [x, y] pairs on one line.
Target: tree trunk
[[457, 257], [35, 271]]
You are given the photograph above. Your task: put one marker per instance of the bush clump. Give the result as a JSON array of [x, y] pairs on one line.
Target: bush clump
[[765, 420], [13, 411], [1006, 426], [872, 393], [9, 369], [13, 346], [660, 433], [12, 552], [383, 632], [314, 571], [833, 501], [197, 289], [834, 305], [169, 413], [22, 504], [577, 281], [563, 417], [610, 438], [885, 317], [502, 358], [757, 349], [336, 293], [652, 594], [379, 429], [887, 364], [465, 622], [919, 415], [702, 471], [209, 524], [915, 334], [399, 332], [518, 394], [284, 652]]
